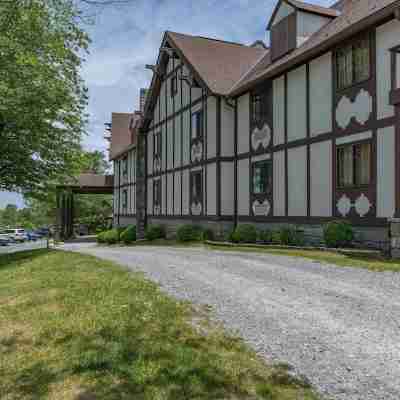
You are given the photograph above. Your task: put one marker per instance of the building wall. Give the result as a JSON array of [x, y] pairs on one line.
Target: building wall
[[309, 119], [124, 182]]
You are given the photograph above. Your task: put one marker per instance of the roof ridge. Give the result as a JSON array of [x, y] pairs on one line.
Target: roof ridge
[[209, 38]]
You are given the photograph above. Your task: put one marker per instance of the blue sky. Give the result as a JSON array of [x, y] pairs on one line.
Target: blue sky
[[126, 37]]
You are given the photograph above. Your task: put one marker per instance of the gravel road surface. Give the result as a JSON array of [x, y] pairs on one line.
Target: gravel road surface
[[339, 327]]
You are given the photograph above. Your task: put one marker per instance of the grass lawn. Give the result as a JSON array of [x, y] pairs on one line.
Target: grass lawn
[[343, 260], [76, 327]]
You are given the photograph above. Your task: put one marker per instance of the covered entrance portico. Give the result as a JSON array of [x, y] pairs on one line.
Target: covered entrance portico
[[84, 184]]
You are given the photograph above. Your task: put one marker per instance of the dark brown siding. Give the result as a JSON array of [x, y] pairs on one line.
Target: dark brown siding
[[283, 37]]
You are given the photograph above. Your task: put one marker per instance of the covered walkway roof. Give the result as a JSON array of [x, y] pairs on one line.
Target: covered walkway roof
[[91, 184]]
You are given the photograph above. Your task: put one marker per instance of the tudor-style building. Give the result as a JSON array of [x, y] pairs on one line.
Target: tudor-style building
[[301, 132]]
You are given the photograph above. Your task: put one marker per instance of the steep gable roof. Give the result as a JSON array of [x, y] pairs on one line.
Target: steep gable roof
[[355, 17], [216, 64]]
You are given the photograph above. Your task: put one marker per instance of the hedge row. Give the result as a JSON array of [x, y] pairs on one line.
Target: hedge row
[[336, 234], [113, 236]]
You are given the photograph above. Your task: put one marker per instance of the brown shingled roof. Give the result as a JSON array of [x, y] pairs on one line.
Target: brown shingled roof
[[313, 8], [355, 16], [220, 64]]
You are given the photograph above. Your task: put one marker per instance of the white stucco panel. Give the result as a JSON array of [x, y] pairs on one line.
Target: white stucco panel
[[279, 110], [227, 188], [243, 116], [150, 196], [385, 172], [170, 144], [211, 189], [321, 95], [297, 107], [387, 36], [170, 194], [279, 191], [186, 137], [185, 192], [178, 141], [211, 126], [227, 129], [243, 187], [177, 194], [321, 179], [297, 181]]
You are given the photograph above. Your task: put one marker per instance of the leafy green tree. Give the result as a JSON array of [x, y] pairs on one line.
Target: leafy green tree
[[9, 216], [42, 96]]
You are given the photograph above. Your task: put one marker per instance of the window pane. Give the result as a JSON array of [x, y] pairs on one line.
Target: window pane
[[344, 67], [362, 153], [361, 60], [345, 166], [196, 186], [261, 177]]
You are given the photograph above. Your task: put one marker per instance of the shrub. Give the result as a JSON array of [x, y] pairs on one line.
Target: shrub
[[265, 236], [207, 234], [111, 236], [129, 234], [290, 236], [245, 233], [101, 237], [188, 233], [338, 234], [154, 232]]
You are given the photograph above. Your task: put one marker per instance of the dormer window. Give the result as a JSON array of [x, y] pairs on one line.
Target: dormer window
[[353, 63], [283, 36], [294, 22]]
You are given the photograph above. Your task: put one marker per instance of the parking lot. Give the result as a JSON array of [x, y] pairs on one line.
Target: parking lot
[[15, 247]]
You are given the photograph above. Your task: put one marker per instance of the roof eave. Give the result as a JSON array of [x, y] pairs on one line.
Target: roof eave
[[387, 12]]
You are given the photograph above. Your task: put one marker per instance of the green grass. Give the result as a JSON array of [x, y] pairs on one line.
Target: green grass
[[343, 260], [76, 327]]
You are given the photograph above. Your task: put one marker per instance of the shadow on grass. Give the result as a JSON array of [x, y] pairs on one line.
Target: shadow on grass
[[10, 260]]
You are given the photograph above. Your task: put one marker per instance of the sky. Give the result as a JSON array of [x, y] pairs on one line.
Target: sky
[[126, 37]]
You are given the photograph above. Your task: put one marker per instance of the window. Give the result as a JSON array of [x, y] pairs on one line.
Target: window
[[262, 177], [124, 200], [256, 108], [353, 63], [197, 125], [196, 187], [354, 165], [157, 193], [157, 145], [174, 86], [125, 166]]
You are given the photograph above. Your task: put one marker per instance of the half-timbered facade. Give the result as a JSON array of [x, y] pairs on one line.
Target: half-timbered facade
[[301, 132]]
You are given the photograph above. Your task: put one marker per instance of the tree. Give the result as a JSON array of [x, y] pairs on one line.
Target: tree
[[9, 216], [42, 97]]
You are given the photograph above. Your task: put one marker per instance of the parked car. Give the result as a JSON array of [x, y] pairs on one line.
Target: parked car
[[33, 236], [19, 235], [4, 239], [42, 232]]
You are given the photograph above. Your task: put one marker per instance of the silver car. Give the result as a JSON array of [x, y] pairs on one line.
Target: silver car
[[18, 235]]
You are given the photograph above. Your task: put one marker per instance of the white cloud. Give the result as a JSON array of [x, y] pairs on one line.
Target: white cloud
[[125, 38]]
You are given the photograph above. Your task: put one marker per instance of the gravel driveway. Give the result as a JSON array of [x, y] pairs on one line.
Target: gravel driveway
[[340, 327]]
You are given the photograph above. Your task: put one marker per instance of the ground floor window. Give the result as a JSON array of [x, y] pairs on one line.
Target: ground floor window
[[157, 193], [197, 125], [262, 176], [354, 165], [196, 187], [124, 200]]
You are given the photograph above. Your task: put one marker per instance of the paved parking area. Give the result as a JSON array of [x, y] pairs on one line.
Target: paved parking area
[[340, 327]]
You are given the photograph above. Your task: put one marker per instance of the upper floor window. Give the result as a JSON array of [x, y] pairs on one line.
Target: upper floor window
[[256, 108], [157, 145], [354, 165], [174, 85], [125, 166], [353, 63], [262, 177], [197, 125]]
